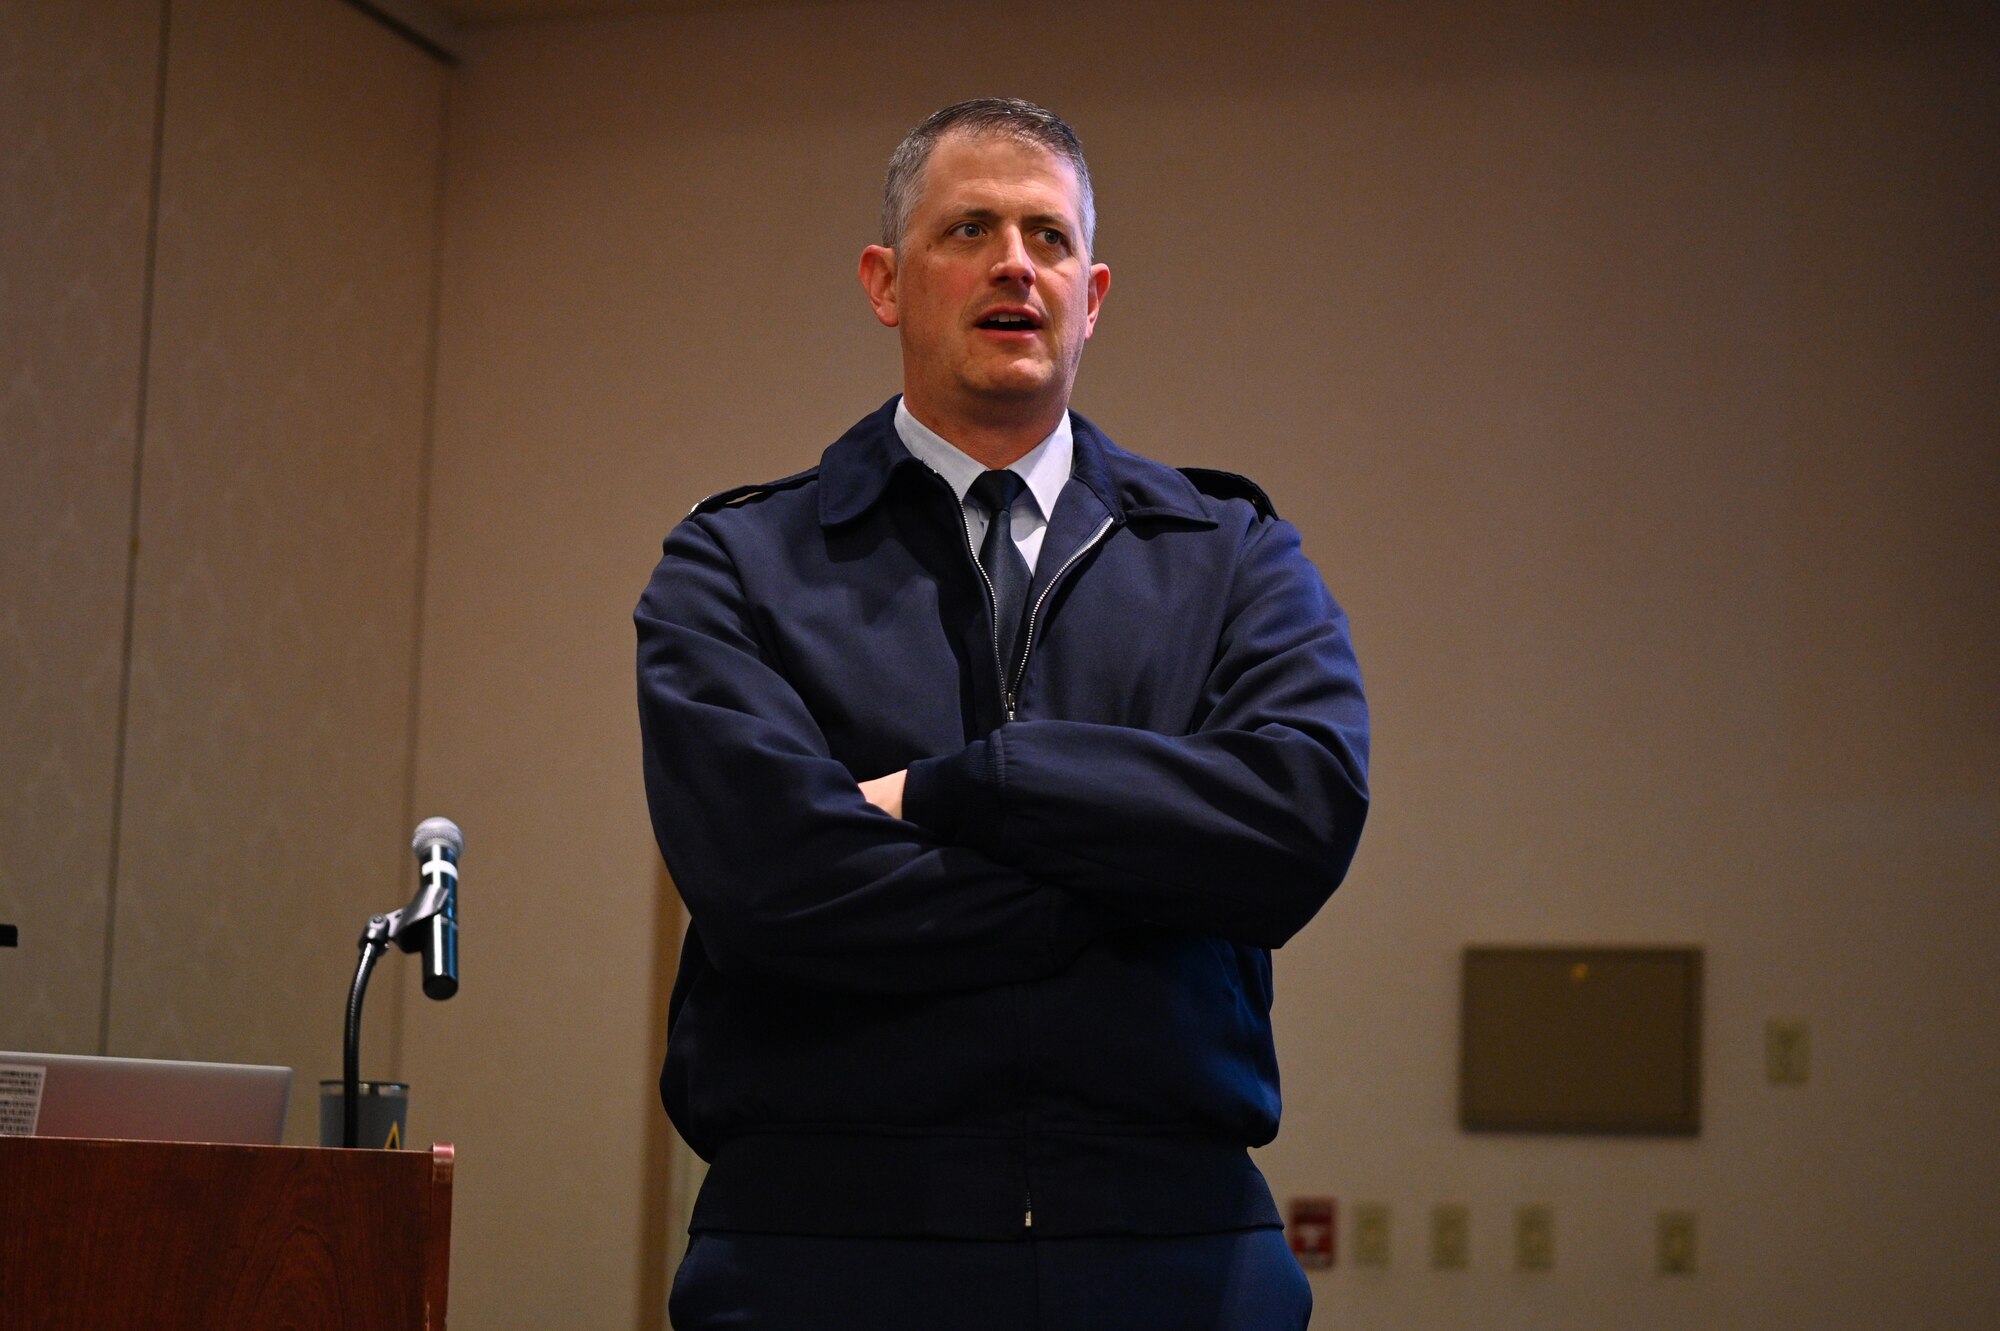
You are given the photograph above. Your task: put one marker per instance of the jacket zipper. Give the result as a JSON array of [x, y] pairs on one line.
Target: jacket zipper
[[1010, 690], [1011, 693]]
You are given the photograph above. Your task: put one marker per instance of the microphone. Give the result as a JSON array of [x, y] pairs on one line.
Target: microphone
[[430, 922]]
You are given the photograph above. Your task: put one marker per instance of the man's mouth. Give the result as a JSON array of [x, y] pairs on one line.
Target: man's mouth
[[1011, 321]]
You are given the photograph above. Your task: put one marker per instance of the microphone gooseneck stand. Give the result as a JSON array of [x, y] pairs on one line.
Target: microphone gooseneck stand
[[429, 924], [374, 942]]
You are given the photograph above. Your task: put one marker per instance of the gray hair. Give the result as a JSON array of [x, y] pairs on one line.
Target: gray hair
[[1008, 116]]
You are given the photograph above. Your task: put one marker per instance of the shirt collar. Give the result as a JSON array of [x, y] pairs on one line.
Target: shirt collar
[[856, 469], [1045, 467]]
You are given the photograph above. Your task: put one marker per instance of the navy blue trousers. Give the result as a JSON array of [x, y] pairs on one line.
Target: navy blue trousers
[[1241, 1281]]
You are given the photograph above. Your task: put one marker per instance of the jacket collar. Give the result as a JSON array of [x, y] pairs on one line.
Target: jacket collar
[[856, 469]]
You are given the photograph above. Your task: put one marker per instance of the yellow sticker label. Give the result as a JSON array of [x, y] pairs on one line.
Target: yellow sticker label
[[395, 1142]]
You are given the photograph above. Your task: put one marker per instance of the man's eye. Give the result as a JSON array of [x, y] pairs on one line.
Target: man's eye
[[968, 230], [1053, 238]]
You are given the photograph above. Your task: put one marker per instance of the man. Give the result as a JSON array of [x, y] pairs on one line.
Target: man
[[989, 760]]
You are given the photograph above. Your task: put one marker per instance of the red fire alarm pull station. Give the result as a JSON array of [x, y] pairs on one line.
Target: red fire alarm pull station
[[1311, 1232]]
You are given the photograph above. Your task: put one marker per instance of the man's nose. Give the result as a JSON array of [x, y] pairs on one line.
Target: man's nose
[[1012, 264]]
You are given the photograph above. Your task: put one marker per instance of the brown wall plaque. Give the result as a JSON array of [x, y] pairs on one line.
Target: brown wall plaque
[[1581, 1039]]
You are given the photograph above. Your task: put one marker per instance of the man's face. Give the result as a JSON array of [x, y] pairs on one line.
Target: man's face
[[993, 293]]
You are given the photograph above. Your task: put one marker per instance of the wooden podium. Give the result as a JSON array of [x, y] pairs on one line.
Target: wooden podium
[[171, 1235]]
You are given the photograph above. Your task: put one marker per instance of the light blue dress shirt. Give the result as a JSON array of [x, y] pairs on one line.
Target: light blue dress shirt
[[1045, 468]]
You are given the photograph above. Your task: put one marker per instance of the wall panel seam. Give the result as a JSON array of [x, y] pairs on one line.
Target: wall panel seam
[[429, 44], [132, 539], [426, 453]]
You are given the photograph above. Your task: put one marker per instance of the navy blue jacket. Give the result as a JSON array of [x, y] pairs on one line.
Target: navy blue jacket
[[1042, 999]]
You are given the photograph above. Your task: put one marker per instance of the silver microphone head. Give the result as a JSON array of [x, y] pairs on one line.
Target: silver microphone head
[[432, 831]]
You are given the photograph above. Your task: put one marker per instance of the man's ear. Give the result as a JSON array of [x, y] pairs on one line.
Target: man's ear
[[878, 279], [1100, 282]]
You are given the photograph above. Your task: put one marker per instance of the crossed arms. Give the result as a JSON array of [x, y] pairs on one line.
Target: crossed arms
[[999, 862]]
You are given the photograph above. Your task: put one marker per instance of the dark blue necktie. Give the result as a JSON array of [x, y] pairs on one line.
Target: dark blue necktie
[[997, 492]]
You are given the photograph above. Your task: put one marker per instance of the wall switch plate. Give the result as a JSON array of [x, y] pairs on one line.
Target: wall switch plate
[[1676, 1235], [1535, 1237], [1371, 1234], [1787, 1051], [1451, 1237]]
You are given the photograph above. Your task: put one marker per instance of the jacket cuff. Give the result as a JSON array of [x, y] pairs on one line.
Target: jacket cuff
[[957, 796]]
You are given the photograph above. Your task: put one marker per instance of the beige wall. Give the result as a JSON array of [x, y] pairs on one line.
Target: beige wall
[[75, 177], [247, 401], [1630, 380], [269, 741]]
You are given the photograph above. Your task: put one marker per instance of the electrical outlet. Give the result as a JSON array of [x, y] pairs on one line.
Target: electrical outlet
[[1535, 1237], [1451, 1237], [1371, 1234], [1787, 1051], [1676, 1236]]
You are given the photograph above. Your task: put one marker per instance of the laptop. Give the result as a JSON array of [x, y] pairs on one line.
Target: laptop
[[142, 1099]]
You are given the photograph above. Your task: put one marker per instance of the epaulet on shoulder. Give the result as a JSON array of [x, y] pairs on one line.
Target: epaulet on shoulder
[[1228, 485], [743, 494]]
